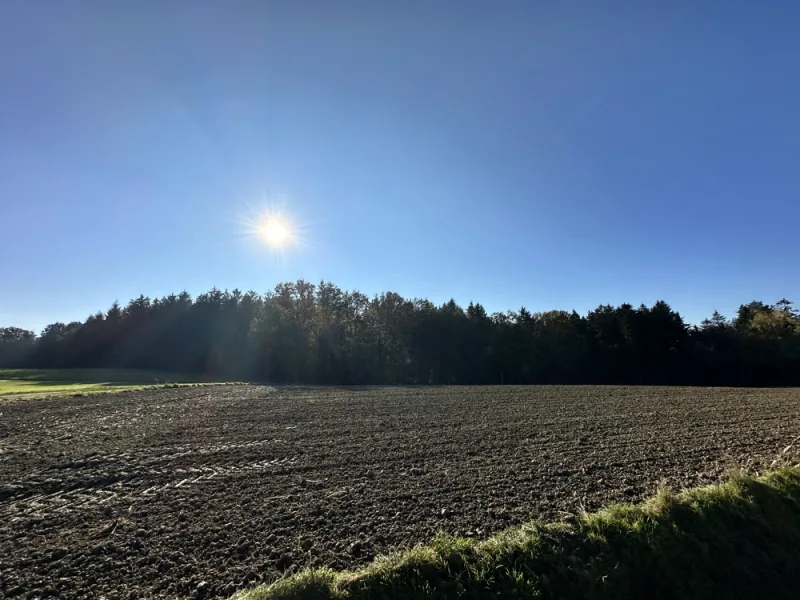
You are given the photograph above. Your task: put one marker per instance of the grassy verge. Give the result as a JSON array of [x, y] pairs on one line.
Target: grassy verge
[[54, 382], [738, 539]]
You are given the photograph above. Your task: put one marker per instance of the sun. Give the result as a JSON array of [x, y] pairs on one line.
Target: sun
[[271, 226], [275, 232]]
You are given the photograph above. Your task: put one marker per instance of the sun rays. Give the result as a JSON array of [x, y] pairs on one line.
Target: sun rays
[[271, 226]]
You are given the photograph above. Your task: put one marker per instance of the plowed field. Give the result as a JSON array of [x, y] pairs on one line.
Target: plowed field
[[199, 492]]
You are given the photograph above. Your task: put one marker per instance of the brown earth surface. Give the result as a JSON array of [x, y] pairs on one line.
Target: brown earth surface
[[199, 492]]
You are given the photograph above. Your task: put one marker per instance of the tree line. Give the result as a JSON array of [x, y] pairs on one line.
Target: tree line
[[321, 334]]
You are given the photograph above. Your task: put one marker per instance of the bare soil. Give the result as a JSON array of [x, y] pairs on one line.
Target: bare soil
[[199, 492]]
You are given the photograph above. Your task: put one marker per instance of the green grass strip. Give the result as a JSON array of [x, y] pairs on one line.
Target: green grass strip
[[30, 383], [737, 539]]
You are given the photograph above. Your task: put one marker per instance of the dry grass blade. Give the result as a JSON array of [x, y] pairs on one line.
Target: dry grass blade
[[784, 452]]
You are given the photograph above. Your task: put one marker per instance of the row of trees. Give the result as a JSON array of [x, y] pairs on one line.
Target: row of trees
[[305, 333]]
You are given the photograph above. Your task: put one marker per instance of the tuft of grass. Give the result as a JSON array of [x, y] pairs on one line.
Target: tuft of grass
[[736, 539], [59, 382]]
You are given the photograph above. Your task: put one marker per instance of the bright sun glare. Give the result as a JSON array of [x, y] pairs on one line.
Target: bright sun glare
[[271, 225], [275, 232]]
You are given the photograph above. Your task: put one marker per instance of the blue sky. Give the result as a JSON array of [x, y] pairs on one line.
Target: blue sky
[[546, 154]]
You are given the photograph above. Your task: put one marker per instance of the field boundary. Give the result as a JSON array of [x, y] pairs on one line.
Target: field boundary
[[48, 383], [736, 539], [19, 397], [115, 389]]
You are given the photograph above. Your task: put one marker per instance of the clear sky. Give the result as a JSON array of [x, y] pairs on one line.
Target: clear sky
[[545, 154]]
